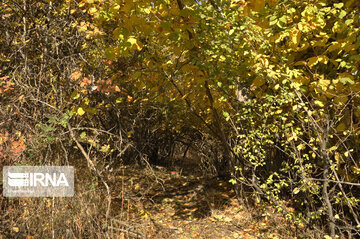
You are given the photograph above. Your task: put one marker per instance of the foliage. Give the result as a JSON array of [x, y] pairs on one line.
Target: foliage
[[275, 83]]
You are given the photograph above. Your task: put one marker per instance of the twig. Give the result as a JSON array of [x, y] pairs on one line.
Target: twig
[[92, 166]]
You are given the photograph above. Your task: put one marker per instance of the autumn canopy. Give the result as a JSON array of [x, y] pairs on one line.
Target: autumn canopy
[[271, 86]]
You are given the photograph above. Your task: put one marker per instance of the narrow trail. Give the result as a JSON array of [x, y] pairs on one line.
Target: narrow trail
[[178, 206]]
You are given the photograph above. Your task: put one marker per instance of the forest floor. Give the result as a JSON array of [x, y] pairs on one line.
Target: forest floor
[[148, 202], [171, 204]]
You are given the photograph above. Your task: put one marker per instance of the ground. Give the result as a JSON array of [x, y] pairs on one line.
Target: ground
[[172, 205]]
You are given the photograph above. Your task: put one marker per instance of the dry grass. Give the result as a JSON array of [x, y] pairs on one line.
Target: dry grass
[[146, 203]]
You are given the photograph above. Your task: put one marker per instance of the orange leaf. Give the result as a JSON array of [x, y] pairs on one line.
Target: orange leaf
[[76, 75], [85, 81]]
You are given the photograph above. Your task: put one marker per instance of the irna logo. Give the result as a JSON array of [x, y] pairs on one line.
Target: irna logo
[[37, 179], [43, 181]]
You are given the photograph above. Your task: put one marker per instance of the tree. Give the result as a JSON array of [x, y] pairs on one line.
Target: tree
[[275, 83]]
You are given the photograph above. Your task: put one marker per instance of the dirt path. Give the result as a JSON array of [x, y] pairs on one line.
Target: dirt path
[[176, 206]]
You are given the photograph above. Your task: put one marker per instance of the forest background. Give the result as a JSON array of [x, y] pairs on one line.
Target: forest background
[[262, 94]]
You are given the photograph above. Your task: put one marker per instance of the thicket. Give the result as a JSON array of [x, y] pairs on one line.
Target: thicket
[[268, 90]]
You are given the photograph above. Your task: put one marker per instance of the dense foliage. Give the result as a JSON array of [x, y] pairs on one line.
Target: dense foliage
[[271, 86]]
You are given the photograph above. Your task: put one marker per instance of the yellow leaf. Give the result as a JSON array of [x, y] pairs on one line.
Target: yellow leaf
[[256, 5], [300, 63], [119, 100], [338, 5], [345, 78], [337, 156], [303, 46], [86, 101], [341, 100], [334, 62], [272, 2], [321, 42], [355, 169], [92, 110], [324, 84], [75, 95], [333, 148], [300, 147], [134, 41], [341, 127], [295, 37], [334, 46], [323, 59], [110, 53], [259, 81], [80, 111], [139, 45], [92, 10], [76, 75], [127, 7], [212, 219], [105, 148], [319, 103], [312, 61]]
